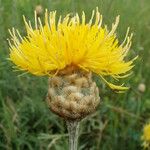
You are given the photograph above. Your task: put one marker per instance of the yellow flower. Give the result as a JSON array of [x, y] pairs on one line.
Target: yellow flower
[[72, 41], [146, 136]]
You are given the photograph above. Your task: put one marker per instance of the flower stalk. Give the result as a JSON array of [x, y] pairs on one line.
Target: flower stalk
[[73, 131]]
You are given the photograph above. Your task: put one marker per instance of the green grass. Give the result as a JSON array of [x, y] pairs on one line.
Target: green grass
[[25, 121]]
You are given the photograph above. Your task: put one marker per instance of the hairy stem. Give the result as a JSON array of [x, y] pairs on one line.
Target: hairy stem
[[73, 130]]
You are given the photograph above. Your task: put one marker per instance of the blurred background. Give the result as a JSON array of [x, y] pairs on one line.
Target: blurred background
[[25, 121]]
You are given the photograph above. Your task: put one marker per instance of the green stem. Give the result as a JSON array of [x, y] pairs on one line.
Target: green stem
[[73, 130]]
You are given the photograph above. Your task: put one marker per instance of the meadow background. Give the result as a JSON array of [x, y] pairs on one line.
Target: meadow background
[[25, 121]]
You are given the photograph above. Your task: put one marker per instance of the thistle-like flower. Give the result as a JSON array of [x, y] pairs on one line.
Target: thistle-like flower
[[146, 136], [69, 51], [72, 41]]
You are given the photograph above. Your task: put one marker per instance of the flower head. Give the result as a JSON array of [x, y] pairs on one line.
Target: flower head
[[39, 10], [141, 87], [71, 42], [146, 136]]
